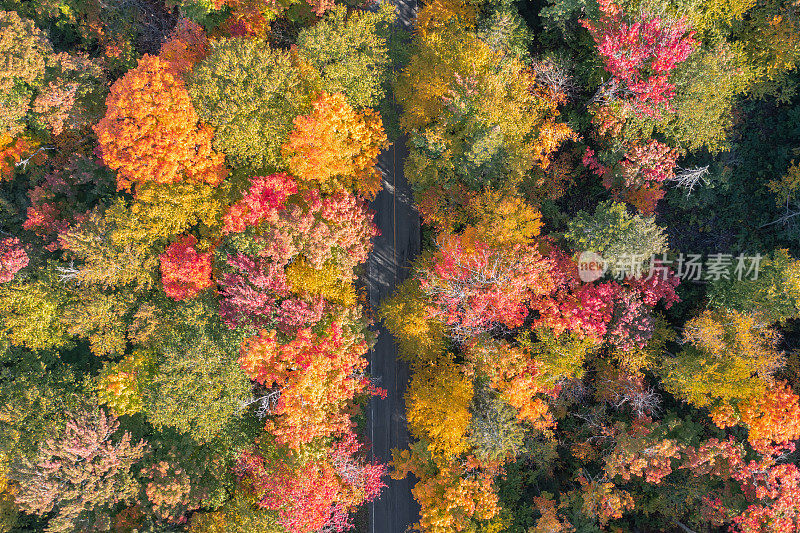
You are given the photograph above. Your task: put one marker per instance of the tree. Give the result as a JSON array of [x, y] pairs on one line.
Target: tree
[[106, 259], [150, 131], [197, 367], [79, 474], [337, 228], [161, 211], [182, 478], [637, 177], [334, 147], [32, 312], [475, 118], [184, 271], [772, 418], [120, 385], [320, 284], [453, 495], [474, 288], [23, 52], [187, 45], [73, 96], [584, 311], [250, 93], [250, 292], [350, 52], [37, 390], [316, 494], [603, 501], [773, 297], [516, 377], [560, 357], [504, 219], [494, 431], [641, 54], [443, 425], [313, 375], [12, 258], [261, 202], [642, 450], [769, 37], [102, 317], [632, 322], [776, 507], [626, 243], [730, 357], [13, 151], [708, 83], [420, 338], [8, 509], [65, 195], [240, 514]]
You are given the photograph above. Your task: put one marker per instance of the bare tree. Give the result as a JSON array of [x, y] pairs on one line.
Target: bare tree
[[688, 178], [555, 75], [266, 403]]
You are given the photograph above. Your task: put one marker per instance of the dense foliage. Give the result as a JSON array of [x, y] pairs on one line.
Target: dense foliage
[[601, 327], [572, 367], [184, 215]]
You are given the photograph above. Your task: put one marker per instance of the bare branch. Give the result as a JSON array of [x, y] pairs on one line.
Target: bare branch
[[688, 178]]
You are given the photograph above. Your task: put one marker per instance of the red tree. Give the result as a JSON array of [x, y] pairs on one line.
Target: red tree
[[640, 54], [474, 287], [320, 494], [314, 376], [13, 258], [261, 203], [184, 271]]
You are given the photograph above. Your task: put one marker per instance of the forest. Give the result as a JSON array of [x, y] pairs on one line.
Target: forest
[[602, 326]]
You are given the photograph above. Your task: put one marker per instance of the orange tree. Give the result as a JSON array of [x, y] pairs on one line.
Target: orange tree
[[151, 132]]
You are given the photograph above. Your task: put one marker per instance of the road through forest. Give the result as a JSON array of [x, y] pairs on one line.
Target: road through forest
[[388, 265]]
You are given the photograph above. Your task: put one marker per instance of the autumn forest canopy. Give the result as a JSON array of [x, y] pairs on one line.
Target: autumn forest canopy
[[602, 326]]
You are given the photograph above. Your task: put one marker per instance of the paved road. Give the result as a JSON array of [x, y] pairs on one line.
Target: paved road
[[387, 266]]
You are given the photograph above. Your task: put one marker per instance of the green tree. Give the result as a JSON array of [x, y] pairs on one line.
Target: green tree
[[23, 51], [350, 52], [36, 390], [707, 85], [494, 430], [250, 93], [625, 242], [198, 386], [773, 297]]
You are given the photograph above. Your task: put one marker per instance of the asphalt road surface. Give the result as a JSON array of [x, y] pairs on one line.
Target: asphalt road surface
[[388, 265]]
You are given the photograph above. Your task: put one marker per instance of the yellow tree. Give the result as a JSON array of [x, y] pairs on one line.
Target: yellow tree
[[442, 423], [454, 495], [475, 117], [405, 315], [730, 357], [503, 218]]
